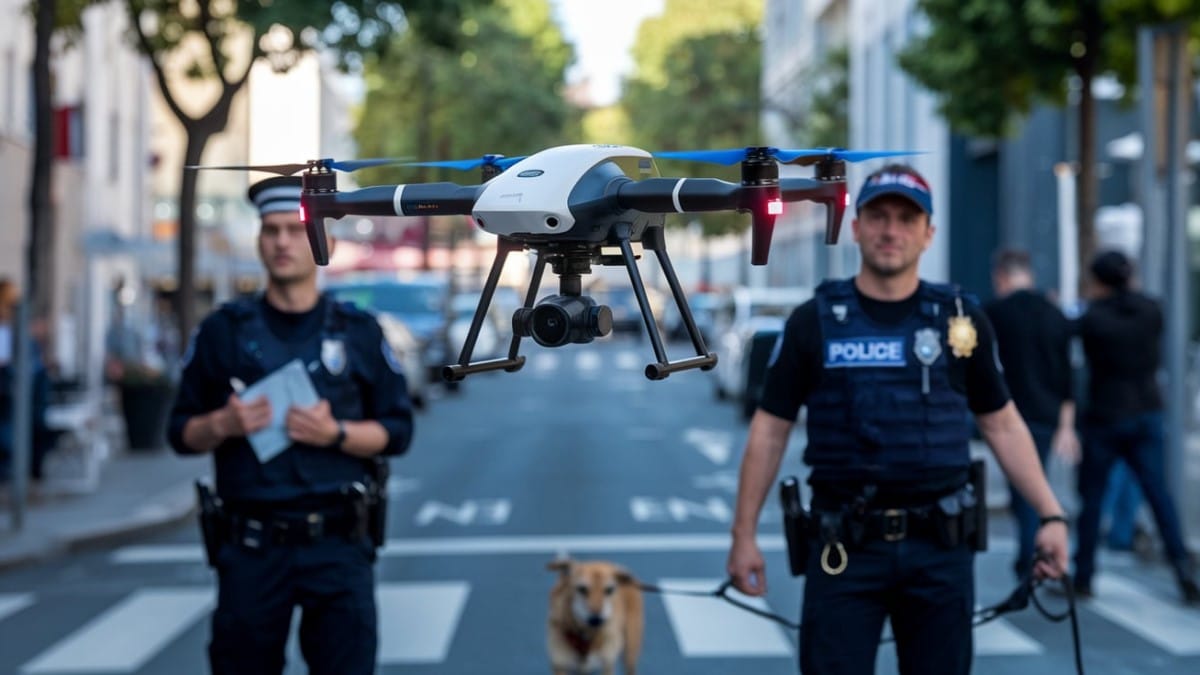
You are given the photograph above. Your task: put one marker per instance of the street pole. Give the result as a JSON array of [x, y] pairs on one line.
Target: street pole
[[1068, 238], [1163, 73]]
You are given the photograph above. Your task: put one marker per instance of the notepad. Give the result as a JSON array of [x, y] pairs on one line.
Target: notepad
[[288, 386]]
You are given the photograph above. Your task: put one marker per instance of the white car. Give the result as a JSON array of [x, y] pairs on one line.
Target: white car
[[748, 323]]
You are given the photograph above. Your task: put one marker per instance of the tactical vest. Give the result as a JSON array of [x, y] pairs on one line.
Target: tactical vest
[[869, 410], [301, 470]]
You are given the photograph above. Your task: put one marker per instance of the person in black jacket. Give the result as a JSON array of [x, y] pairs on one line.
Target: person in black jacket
[[1122, 333], [1034, 340], [294, 527]]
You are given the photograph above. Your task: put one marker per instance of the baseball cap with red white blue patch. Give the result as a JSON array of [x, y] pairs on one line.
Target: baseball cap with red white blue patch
[[900, 180]]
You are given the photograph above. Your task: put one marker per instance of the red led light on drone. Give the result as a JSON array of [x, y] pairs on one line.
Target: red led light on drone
[[303, 215], [846, 199], [774, 207]]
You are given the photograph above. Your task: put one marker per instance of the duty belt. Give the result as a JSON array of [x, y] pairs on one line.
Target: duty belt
[[290, 529]]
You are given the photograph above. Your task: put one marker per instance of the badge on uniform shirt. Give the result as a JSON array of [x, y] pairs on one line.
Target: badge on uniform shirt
[[333, 356], [961, 336], [927, 345]]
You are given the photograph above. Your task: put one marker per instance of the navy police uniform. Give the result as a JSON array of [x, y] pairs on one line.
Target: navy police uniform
[[294, 536], [888, 428]]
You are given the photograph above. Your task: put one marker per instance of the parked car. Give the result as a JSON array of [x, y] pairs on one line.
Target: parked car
[[421, 303], [494, 332], [626, 312], [704, 308], [749, 322]]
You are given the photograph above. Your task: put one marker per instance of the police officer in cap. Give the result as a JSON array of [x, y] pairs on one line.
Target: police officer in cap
[[891, 367], [292, 529]]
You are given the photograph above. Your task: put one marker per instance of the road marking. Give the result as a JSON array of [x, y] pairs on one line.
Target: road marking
[[11, 603], [721, 480], [1173, 628], [678, 510], [398, 485], [125, 637], [544, 363], [471, 512], [715, 445], [417, 620], [498, 545], [588, 364], [1002, 638], [710, 627]]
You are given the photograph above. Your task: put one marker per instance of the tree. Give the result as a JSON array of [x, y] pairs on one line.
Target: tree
[[499, 92], [696, 85], [64, 19], [220, 40], [990, 61]]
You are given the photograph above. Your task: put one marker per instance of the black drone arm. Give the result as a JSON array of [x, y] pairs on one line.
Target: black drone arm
[[686, 195], [422, 199]]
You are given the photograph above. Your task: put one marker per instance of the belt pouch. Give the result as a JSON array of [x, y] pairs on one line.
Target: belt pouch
[[796, 525], [214, 525], [976, 507]]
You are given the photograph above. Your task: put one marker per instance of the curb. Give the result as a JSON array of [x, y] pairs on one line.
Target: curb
[[148, 520]]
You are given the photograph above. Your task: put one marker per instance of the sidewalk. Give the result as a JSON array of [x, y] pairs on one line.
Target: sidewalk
[[137, 493]]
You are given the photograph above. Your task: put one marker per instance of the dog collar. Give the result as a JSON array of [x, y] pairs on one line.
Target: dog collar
[[579, 641]]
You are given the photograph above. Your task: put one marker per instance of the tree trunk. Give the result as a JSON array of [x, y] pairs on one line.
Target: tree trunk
[[185, 299], [40, 275]]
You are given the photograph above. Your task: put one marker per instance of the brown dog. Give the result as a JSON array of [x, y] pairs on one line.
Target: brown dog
[[595, 616]]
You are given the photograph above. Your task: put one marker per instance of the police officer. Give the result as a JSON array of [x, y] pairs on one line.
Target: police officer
[[890, 367], [292, 530]]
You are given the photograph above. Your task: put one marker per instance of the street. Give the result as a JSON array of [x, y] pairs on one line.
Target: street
[[576, 454]]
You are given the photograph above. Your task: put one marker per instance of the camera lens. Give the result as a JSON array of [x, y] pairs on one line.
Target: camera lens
[[550, 325]]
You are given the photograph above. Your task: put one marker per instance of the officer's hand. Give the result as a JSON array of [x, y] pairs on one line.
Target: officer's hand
[[242, 418], [1053, 549], [746, 566], [314, 425]]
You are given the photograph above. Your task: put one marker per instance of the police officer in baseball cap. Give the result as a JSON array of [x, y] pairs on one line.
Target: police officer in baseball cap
[[891, 368]]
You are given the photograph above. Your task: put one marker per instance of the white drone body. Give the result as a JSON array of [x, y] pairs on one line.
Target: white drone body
[[535, 196]]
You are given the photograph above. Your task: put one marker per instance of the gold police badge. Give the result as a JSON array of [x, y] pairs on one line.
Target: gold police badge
[[961, 336]]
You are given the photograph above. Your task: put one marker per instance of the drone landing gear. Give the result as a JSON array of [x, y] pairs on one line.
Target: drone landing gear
[[570, 267], [457, 371]]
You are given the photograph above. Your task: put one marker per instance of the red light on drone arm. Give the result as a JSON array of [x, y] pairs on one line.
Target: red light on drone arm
[[303, 214], [774, 207]]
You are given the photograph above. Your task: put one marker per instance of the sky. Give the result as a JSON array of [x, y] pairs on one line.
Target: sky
[[602, 32]]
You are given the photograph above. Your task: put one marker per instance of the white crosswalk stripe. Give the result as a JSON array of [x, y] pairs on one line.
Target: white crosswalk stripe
[[1001, 638], [417, 620], [11, 603], [1158, 620], [126, 636], [710, 627]]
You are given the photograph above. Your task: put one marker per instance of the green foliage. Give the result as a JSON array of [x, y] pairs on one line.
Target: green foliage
[[990, 61], [696, 85], [500, 92]]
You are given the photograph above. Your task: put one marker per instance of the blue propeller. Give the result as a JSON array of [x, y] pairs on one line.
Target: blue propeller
[[787, 156], [289, 169], [499, 161]]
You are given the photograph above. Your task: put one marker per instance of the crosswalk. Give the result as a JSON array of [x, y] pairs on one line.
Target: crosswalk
[[420, 619]]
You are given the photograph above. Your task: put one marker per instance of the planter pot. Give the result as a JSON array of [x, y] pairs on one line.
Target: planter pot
[[145, 407]]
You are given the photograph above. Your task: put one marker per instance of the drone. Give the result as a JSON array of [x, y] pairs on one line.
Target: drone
[[573, 205]]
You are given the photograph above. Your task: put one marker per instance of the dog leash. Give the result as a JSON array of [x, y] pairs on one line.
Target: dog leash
[[1018, 600]]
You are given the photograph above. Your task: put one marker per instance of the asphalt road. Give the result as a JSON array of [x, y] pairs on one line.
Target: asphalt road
[[577, 454]]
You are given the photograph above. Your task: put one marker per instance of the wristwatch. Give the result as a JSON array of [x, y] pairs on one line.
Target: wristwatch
[[341, 435], [1056, 518]]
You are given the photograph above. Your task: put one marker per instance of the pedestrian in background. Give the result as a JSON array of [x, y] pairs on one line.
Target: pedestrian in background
[[1122, 333], [890, 367], [1034, 340], [293, 530]]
